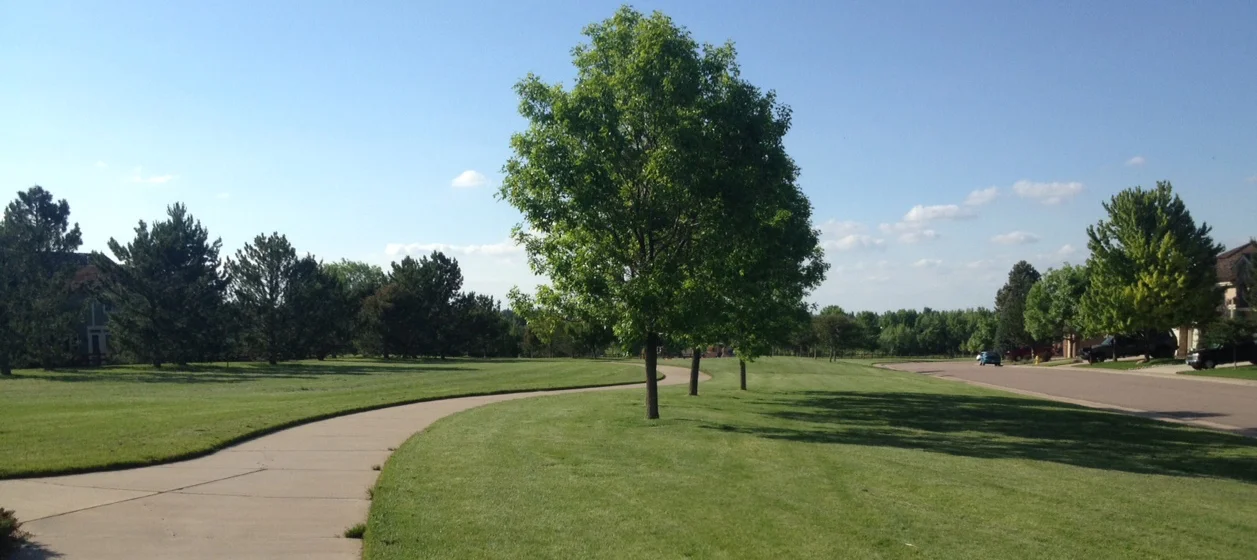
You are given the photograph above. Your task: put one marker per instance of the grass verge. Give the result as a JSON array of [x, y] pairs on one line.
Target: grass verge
[[817, 460], [1131, 364], [77, 421], [1245, 372]]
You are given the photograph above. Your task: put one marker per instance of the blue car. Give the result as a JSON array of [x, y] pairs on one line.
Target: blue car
[[989, 358]]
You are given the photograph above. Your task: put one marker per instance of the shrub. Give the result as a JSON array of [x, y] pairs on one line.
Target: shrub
[[11, 533]]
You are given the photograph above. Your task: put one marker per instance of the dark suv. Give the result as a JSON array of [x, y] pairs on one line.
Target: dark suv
[[1208, 358], [1158, 345]]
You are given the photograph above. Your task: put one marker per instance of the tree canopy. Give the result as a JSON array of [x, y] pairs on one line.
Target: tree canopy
[[1010, 307], [657, 172], [1052, 304], [36, 243], [1152, 268]]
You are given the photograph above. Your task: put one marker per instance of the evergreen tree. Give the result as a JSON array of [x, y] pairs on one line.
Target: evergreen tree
[[1010, 307], [37, 314], [167, 288], [1152, 268], [262, 282], [321, 310]]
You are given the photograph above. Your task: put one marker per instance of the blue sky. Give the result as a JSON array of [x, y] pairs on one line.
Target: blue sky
[[369, 130]]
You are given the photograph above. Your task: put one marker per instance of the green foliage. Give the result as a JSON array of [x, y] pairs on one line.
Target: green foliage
[[658, 194], [37, 312], [561, 324], [11, 534], [983, 326], [262, 282], [167, 289], [322, 309], [1152, 268], [1229, 331], [1010, 307], [1052, 304], [834, 330]]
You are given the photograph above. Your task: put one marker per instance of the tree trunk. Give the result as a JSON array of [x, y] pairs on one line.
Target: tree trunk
[[652, 384], [742, 367], [698, 355]]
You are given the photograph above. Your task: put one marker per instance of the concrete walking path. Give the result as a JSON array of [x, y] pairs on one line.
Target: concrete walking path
[[290, 494]]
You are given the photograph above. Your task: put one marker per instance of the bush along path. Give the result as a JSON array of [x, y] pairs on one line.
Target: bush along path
[[290, 494]]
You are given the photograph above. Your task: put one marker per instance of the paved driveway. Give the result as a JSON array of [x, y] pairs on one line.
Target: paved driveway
[[1216, 404]]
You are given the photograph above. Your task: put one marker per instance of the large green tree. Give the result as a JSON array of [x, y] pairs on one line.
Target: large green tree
[[360, 281], [1010, 307], [1052, 304], [37, 244], [262, 282], [631, 181], [321, 309], [167, 288], [1152, 268], [835, 330]]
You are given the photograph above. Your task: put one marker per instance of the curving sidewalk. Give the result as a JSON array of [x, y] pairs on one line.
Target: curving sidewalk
[[290, 494]]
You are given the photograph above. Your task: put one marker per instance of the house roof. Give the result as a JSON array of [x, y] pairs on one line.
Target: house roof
[[1227, 269]]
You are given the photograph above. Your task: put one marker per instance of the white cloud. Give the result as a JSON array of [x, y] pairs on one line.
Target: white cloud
[[926, 214], [980, 265], [1136, 161], [1066, 250], [982, 196], [1015, 238], [469, 179], [927, 263], [838, 228], [912, 237], [505, 248], [101, 165], [137, 176], [855, 242], [1047, 193]]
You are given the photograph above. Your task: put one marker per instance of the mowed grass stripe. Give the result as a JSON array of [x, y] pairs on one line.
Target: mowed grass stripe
[[817, 460]]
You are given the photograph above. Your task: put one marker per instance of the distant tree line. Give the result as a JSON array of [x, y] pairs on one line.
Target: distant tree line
[[834, 333], [175, 300]]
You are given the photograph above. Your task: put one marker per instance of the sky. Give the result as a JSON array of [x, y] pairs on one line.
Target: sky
[[939, 142]]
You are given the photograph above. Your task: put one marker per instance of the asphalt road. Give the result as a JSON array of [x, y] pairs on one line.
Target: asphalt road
[[1228, 406]]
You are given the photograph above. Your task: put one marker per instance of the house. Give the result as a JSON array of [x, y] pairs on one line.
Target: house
[[1232, 278], [93, 328]]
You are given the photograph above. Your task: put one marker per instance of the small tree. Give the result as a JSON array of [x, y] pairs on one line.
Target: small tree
[[834, 330], [1151, 268]]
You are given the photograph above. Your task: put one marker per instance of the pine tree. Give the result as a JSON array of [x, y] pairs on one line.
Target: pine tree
[[37, 312], [1010, 307], [261, 281], [167, 288]]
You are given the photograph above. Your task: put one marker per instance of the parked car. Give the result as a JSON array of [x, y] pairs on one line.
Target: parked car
[[1043, 352], [1157, 345], [1209, 358], [989, 358]]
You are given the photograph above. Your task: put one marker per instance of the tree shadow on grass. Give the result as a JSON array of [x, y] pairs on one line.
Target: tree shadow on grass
[[1008, 428]]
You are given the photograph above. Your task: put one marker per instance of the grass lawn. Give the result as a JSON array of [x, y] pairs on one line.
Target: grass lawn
[[817, 460], [65, 421], [1245, 372], [1131, 364]]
